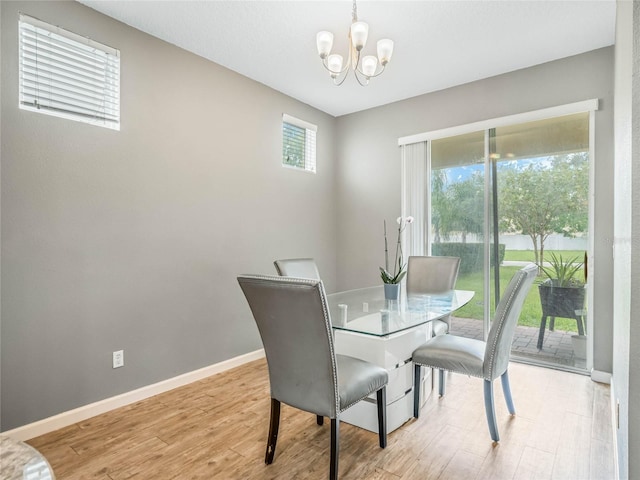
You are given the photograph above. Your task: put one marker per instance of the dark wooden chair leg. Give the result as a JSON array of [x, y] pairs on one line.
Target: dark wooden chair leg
[[382, 416], [543, 325], [319, 419], [416, 390], [335, 447], [552, 324], [273, 431]]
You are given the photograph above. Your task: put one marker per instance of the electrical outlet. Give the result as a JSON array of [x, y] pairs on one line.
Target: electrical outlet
[[118, 359]]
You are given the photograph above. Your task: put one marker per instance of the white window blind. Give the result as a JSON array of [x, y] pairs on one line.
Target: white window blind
[[413, 167], [66, 75], [298, 143]]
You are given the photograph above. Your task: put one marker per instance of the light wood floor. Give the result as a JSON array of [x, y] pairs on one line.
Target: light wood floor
[[217, 429]]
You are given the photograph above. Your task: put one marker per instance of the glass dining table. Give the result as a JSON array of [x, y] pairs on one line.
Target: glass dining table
[[386, 332]]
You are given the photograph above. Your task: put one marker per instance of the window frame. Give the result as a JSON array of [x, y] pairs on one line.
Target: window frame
[[310, 146], [420, 195], [65, 75]]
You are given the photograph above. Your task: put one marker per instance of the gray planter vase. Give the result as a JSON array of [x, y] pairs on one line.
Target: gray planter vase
[[391, 291]]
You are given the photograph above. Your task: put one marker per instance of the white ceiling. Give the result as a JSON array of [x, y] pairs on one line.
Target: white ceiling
[[438, 44]]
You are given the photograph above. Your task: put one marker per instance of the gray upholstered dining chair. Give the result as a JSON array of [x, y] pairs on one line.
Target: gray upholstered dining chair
[[433, 275], [304, 370], [487, 360], [297, 267]]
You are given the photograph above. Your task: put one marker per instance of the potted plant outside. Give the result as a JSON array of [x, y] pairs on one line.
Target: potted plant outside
[[562, 294]]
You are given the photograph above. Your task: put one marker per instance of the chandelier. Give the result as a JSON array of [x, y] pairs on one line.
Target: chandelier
[[363, 68]]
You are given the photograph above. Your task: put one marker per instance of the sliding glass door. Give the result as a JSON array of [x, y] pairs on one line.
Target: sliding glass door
[[506, 196], [459, 202]]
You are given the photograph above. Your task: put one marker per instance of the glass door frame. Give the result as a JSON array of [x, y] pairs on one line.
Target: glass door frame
[[586, 106]]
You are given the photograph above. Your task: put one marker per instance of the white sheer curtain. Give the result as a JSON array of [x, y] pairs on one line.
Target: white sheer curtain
[[414, 197]]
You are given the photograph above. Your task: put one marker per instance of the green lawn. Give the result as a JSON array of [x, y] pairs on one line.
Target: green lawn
[[531, 310]]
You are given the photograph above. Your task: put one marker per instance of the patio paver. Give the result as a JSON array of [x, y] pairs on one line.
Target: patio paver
[[557, 348]]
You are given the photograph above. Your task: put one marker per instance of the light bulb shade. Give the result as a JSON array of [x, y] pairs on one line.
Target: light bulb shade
[[324, 41], [334, 63], [359, 34], [369, 65], [385, 50]]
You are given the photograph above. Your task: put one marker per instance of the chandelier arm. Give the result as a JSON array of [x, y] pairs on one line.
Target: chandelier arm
[[335, 75], [362, 84], [326, 66], [350, 50], [347, 64], [375, 74], [337, 84], [366, 82], [357, 54]]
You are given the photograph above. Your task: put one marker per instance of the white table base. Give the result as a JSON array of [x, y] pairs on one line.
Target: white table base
[[392, 352]]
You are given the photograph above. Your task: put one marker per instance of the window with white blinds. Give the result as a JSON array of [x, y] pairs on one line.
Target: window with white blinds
[[298, 143], [66, 75]]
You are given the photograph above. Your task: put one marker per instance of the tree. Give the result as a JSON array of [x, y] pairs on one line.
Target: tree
[[439, 203], [545, 197], [468, 199], [456, 206]]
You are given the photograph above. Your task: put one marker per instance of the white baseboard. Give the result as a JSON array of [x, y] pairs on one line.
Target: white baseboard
[[79, 414], [600, 377]]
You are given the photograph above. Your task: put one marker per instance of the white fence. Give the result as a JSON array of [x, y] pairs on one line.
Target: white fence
[[523, 242]]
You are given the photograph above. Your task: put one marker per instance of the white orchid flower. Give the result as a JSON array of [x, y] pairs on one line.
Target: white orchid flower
[[399, 267]]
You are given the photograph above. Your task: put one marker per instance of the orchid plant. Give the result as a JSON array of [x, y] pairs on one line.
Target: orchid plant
[[399, 267]]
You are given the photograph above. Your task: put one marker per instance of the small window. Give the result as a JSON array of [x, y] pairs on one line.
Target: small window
[[66, 75], [298, 144]]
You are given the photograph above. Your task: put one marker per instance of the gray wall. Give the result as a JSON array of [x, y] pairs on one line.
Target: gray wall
[[132, 240], [369, 173], [626, 328]]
